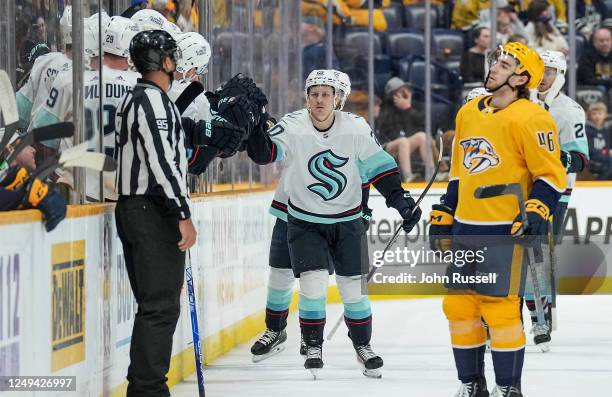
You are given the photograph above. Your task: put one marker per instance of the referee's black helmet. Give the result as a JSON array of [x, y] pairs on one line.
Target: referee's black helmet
[[149, 48]]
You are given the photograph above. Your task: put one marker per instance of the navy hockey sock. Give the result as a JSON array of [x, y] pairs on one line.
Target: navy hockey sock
[[312, 319], [508, 367], [358, 319], [470, 363]]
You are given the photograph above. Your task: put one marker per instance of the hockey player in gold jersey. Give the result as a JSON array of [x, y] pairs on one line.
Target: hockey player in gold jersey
[[500, 138]]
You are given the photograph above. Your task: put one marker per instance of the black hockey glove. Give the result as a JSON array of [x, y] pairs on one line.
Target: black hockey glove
[[241, 85], [537, 229], [573, 161], [366, 217], [409, 213], [239, 111], [440, 226], [218, 133]]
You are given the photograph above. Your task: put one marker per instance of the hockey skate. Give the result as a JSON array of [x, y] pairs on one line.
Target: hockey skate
[[314, 359], [506, 391], [302, 346], [478, 388], [541, 337], [269, 344], [368, 360]]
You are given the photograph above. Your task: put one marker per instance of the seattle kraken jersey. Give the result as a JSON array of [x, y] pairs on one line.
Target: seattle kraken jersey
[[58, 107], [34, 93], [324, 170], [570, 120], [517, 144], [198, 110]]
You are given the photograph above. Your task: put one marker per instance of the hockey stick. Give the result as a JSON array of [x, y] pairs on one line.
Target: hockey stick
[[9, 109], [46, 133], [515, 189], [77, 156], [373, 269], [553, 287], [188, 95], [195, 329]]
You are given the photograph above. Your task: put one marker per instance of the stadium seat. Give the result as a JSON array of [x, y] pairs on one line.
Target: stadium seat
[[394, 15], [415, 17], [447, 45], [454, 66], [401, 44], [416, 74], [356, 43]]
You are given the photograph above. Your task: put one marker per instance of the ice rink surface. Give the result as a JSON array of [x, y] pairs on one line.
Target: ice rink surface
[[412, 337]]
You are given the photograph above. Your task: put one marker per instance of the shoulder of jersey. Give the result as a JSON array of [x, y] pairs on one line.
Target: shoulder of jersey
[[64, 79], [354, 122], [568, 104], [523, 109], [296, 118]]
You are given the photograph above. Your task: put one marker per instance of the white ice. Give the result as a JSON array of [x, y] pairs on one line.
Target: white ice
[[412, 337]]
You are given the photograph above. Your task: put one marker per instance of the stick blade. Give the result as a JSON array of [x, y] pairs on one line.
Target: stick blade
[[7, 100], [92, 160], [496, 190], [53, 131], [188, 95]]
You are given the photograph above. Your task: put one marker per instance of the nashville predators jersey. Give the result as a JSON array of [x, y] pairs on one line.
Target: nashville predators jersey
[[323, 173], [516, 144]]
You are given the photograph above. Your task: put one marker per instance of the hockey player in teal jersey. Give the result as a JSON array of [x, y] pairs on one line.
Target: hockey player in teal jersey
[[570, 120], [326, 152]]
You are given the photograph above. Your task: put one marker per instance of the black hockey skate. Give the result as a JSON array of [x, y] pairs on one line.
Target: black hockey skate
[[541, 337], [368, 360], [506, 391], [478, 388], [314, 359], [302, 346], [269, 344]]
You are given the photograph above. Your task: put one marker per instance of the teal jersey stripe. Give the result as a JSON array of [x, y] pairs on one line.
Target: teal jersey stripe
[[581, 146], [377, 164], [24, 107], [278, 213], [44, 118]]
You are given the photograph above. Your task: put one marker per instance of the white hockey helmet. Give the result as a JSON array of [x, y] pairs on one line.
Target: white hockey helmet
[[320, 77], [173, 29], [475, 92], [343, 85], [91, 46], [555, 60], [195, 52], [66, 25], [118, 34], [148, 19]]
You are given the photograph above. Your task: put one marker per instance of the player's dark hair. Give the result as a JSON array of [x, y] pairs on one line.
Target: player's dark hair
[[522, 90]]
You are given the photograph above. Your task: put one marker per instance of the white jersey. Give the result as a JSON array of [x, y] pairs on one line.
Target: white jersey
[[198, 110], [58, 108], [324, 170], [36, 90], [570, 119]]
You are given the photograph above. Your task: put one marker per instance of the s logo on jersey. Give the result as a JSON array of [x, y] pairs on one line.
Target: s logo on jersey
[[323, 167], [478, 155]]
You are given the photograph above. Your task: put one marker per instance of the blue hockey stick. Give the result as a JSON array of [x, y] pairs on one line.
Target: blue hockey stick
[[197, 346]]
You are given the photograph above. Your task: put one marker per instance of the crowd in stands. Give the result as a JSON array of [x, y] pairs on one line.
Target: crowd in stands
[[461, 42]]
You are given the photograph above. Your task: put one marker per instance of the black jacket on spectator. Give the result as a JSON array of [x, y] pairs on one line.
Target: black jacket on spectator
[[472, 67], [393, 123], [600, 163], [594, 68]]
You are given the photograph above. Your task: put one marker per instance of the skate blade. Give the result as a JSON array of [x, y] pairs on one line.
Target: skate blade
[[277, 349], [314, 372], [372, 373], [545, 347]]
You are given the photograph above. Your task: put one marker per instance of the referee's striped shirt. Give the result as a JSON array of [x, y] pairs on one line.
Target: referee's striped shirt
[[151, 148]]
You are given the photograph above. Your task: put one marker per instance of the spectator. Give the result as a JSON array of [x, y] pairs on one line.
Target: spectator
[[540, 32], [466, 13], [518, 38], [508, 23], [314, 51], [473, 60], [589, 16], [598, 135], [401, 126], [595, 65], [348, 12]]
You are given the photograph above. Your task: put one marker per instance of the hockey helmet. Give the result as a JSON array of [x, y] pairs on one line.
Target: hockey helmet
[[528, 61], [555, 60], [343, 84], [148, 19], [195, 53], [149, 48], [118, 34], [320, 77]]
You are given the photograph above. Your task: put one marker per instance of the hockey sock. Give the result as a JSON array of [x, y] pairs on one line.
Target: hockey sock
[[530, 303], [358, 318], [508, 366], [277, 309], [312, 319], [470, 363]]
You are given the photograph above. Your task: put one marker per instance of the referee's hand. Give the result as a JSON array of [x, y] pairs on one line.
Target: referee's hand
[[188, 234]]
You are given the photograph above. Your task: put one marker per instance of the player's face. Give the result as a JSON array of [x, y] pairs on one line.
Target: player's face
[[321, 101], [548, 79], [501, 70], [26, 158]]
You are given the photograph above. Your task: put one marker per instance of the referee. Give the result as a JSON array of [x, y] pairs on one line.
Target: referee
[[152, 213]]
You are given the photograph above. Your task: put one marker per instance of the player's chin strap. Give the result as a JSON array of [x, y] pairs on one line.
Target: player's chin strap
[[554, 89]]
